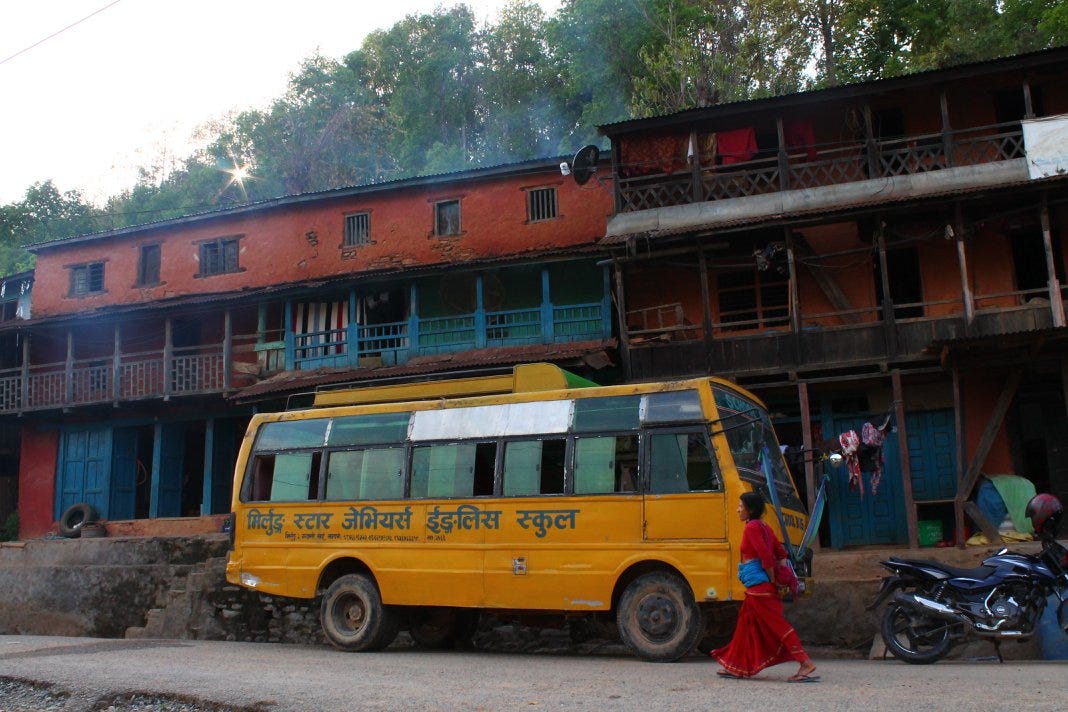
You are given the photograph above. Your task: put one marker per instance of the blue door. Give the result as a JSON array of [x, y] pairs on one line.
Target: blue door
[[932, 455], [857, 520], [85, 467], [227, 437], [123, 473], [170, 470]]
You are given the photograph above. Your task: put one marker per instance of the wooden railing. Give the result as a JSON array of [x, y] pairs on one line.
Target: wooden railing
[[830, 164]]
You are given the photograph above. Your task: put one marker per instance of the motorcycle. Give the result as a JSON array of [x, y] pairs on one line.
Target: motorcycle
[[935, 606]]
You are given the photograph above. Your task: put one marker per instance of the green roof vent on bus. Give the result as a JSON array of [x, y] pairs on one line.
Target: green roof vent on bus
[[524, 378]]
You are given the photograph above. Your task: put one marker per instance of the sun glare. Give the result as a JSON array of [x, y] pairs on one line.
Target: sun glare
[[239, 173]]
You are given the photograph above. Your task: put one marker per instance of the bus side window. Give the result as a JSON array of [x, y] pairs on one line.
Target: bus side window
[[285, 477], [453, 469], [606, 464], [681, 462], [534, 467], [375, 473]]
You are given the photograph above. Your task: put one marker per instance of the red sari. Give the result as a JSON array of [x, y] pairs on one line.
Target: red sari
[[763, 636]]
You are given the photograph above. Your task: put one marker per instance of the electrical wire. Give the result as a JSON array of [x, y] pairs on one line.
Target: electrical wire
[[59, 32]]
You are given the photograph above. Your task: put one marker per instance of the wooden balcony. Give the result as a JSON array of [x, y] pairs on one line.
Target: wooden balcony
[[824, 166]]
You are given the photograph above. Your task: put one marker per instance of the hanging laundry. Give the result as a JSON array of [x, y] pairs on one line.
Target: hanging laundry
[[736, 146], [850, 444], [873, 438]]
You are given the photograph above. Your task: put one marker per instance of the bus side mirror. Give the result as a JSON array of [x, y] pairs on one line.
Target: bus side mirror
[[835, 458]]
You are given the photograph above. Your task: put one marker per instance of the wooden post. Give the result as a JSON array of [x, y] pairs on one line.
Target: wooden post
[[962, 262], [621, 305], [806, 443], [1029, 107], [992, 427], [871, 148], [795, 303], [116, 367], [706, 300], [228, 348], [903, 450], [784, 160], [962, 454], [947, 131], [697, 193], [480, 314], [24, 400], [168, 357], [617, 200], [889, 317], [209, 466], [68, 390], [1056, 303]]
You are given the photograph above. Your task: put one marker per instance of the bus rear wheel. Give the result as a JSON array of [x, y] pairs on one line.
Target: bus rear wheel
[[353, 616], [658, 618]]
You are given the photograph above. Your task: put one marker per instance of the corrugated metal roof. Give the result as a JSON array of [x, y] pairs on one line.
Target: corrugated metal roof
[[302, 381], [843, 91]]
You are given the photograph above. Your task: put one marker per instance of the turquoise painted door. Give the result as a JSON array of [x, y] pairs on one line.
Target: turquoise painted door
[[858, 520], [932, 455], [123, 474], [171, 451], [85, 467]]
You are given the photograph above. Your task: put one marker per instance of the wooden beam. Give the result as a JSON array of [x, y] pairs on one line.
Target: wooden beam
[[962, 262], [997, 417], [806, 443], [795, 297], [889, 317], [962, 455], [903, 458], [1055, 302], [826, 283], [621, 310], [987, 528]]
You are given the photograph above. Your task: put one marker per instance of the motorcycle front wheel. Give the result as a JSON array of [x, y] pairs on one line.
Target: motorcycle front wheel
[[914, 637]]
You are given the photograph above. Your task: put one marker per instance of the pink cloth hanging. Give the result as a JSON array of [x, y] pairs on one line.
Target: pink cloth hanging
[[850, 444]]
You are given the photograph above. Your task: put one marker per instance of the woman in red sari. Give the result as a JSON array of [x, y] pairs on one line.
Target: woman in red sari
[[763, 637]]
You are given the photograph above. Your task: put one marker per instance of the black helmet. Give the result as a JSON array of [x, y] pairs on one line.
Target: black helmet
[[1045, 512]]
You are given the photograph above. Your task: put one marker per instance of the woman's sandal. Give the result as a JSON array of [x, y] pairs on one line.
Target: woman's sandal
[[729, 675], [803, 678]]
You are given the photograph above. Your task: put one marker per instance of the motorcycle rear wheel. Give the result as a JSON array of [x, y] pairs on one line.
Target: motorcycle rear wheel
[[913, 637]]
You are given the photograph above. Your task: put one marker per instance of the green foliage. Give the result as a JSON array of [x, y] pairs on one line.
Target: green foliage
[[9, 531]]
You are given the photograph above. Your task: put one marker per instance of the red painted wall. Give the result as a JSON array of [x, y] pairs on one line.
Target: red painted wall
[[37, 481], [301, 242], [979, 394]]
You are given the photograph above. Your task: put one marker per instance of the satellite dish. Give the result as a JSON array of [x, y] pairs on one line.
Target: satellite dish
[[584, 165]]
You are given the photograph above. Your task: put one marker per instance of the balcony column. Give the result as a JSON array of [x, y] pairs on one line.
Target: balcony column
[[1056, 303], [289, 338], [706, 299], [962, 261], [24, 400], [228, 349], [694, 155], [889, 318], [68, 390], [903, 449], [168, 357], [784, 163], [806, 443], [871, 148], [352, 332], [606, 302], [621, 305], [116, 367], [795, 295], [413, 321], [480, 315], [1029, 105], [947, 130], [547, 330], [209, 467]]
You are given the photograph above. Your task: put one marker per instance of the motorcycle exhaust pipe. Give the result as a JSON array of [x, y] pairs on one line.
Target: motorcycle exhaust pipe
[[926, 605]]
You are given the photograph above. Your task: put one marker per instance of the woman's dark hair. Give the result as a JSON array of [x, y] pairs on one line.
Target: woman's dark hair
[[754, 504]]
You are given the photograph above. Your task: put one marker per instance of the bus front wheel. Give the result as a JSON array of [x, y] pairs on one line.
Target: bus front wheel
[[353, 616], [658, 618]]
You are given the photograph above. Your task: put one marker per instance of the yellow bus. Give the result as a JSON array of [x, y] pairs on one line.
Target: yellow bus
[[416, 506]]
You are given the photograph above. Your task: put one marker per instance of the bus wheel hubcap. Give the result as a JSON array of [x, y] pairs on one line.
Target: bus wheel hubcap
[[656, 616], [353, 613]]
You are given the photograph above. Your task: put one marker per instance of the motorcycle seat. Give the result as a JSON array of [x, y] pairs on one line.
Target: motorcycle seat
[[979, 572]]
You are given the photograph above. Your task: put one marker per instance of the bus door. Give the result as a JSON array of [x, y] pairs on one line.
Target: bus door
[[684, 496]]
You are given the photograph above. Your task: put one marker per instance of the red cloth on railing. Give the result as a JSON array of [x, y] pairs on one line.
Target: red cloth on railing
[[798, 134], [736, 146]]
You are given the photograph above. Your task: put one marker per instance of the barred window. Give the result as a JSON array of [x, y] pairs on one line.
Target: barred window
[[357, 229], [541, 204], [219, 257], [87, 279], [447, 217]]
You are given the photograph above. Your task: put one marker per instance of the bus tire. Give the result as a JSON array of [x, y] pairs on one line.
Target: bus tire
[[658, 618], [353, 615], [435, 628]]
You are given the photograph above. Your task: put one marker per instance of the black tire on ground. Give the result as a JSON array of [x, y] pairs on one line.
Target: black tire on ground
[[438, 628], [914, 637], [353, 616], [658, 618], [70, 524]]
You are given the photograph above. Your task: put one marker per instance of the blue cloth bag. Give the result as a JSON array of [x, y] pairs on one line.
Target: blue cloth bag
[[751, 573]]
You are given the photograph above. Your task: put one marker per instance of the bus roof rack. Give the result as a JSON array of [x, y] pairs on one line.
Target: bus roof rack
[[523, 378]]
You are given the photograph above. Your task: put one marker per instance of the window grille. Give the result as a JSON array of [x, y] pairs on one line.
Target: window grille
[[87, 279], [357, 229], [218, 257], [541, 204]]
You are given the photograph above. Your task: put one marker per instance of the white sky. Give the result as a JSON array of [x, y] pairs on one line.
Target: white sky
[[88, 106]]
